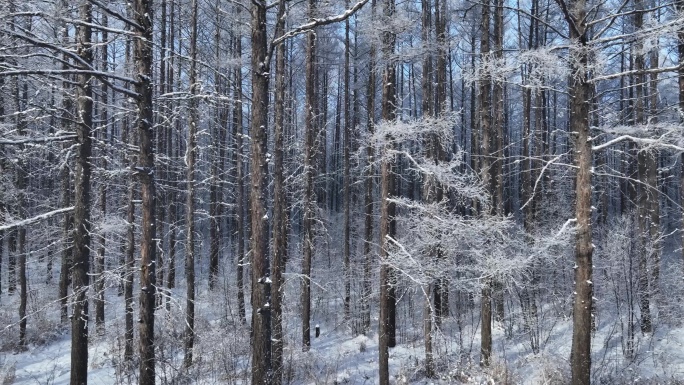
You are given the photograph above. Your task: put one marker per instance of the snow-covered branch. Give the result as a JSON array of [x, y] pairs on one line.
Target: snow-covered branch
[[641, 141], [37, 218], [317, 22], [46, 139]]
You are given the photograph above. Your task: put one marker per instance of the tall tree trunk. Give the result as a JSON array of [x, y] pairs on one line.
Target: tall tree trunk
[[218, 154], [485, 130], [387, 321], [430, 185], [190, 159], [309, 189], [499, 159], [368, 197], [173, 151], [65, 176], [100, 259], [580, 94], [82, 224], [641, 212], [441, 287], [142, 9], [261, 290], [347, 173], [162, 140], [279, 207], [128, 269], [129, 137], [240, 198]]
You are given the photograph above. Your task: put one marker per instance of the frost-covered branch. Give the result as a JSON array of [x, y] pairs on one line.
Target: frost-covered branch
[[539, 178], [317, 22], [46, 139], [629, 133], [37, 218]]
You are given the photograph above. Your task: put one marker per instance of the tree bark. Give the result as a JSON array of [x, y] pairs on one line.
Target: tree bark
[[485, 130], [309, 189], [142, 53], [100, 259], [580, 97], [279, 208], [387, 321], [261, 290], [240, 198], [82, 224], [190, 159], [368, 198], [347, 173]]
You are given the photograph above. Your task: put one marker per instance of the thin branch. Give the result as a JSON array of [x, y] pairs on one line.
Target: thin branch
[[37, 218], [642, 141], [304, 28], [46, 139]]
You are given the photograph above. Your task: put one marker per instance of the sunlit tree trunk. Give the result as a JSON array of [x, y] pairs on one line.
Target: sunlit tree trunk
[[580, 98]]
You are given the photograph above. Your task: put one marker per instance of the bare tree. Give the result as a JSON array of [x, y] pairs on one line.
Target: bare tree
[[387, 321], [261, 290], [279, 207], [82, 225], [368, 196], [310, 136], [142, 54], [575, 13], [190, 159]]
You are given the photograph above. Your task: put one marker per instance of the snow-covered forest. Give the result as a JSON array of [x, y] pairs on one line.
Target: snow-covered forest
[[341, 192]]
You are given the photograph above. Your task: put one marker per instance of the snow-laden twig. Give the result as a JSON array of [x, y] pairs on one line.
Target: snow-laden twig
[[37, 218], [46, 139]]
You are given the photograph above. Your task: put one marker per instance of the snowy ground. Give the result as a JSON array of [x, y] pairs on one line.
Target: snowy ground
[[339, 356]]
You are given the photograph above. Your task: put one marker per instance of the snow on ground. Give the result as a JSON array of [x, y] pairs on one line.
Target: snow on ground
[[336, 357], [339, 356]]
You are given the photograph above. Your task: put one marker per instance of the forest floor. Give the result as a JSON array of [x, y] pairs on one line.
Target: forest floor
[[339, 355]]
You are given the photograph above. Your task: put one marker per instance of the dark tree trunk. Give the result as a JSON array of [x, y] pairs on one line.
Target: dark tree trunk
[[142, 54], [485, 163], [190, 159], [279, 208], [309, 189], [347, 174], [387, 321], [261, 291], [498, 167], [368, 197], [82, 224], [67, 248], [239, 176], [100, 259]]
